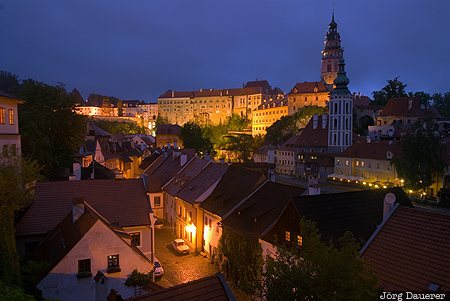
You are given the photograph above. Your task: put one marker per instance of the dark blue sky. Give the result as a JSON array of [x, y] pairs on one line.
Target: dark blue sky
[[140, 48]]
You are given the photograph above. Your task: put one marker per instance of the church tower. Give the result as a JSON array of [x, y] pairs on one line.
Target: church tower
[[340, 109], [332, 53]]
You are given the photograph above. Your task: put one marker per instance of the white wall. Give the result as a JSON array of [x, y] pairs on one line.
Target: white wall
[[61, 283]]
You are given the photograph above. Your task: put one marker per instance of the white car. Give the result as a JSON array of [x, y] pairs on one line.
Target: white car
[[180, 246], [158, 270]]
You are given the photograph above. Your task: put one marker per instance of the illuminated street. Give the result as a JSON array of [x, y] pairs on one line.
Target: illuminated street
[[179, 268]]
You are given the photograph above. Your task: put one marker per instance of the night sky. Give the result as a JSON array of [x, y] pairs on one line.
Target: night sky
[[137, 49]]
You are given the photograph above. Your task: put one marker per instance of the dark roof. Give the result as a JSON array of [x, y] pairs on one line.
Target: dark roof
[[273, 103], [149, 160], [4, 94], [163, 169], [212, 288], [67, 234], [189, 171], [261, 209], [242, 180], [373, 150], [310, 136], [359, 212], [309, 87], [100, 172], [121, 202], [408, 107], [411, 251], [168, 129], [203, 181]]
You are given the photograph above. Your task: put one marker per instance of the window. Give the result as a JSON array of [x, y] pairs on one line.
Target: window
[[113, 264], [11, 116], [157, 201], [287, 235], [179, 211], [5, 151], [2, 116], [299, 241], [190, 215], [84, 268], [135, 238]]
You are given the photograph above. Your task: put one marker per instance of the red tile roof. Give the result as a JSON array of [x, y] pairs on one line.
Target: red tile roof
[[189, 171], [310, 136], [213, 288], [121, 202], [374, 150], [411, 251], [309, 87], [408, 107]]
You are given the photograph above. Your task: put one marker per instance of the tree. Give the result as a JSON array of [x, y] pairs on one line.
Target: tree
[[394, 88], [13, 293], [237, 123], [425, 98], [119, 108], [51, 130], [242, 146], [193, 137], [420, 160], [17, 178], [319, 271], [124, 127], [442, 103], [76, 96], [9, 83], [287, 126]]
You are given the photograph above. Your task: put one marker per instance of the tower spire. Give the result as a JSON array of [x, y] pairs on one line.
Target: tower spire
[[332, 52]]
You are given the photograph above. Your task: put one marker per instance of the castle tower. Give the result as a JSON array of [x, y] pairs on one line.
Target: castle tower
[[340, 108], [332, 53]]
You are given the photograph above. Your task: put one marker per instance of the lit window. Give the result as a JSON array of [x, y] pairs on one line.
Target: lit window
[[113, 261], [157, 201], [11, 116], [2, 116], [287, 235], [299, 241]]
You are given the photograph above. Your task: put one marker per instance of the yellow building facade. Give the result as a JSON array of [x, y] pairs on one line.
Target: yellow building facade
[[267, 114]]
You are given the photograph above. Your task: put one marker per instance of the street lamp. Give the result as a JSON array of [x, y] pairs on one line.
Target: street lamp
[[192, 229]]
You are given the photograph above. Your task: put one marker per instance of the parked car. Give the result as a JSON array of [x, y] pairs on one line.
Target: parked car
[[180, 246], [158, 271]]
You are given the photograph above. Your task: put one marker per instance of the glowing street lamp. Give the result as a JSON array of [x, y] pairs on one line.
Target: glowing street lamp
[[191, 228]]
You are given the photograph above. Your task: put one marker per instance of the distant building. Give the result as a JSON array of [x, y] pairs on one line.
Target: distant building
[[308, 94], [267, 114], [9, 126], [169, 135], [332, 54]]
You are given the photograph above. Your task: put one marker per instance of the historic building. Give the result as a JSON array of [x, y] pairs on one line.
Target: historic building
[[9, 126], [214, 106], [267, 113], [332, 53], [308, 94], [340, 108]]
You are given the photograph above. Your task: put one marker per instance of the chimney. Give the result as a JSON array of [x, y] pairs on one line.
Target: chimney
[[315, 121], [183, 159], [389, 200], [77, 209], [324, 121]]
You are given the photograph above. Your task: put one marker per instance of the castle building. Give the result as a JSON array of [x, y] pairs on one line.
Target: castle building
[[332, 53], [267, 114], [340, 108]]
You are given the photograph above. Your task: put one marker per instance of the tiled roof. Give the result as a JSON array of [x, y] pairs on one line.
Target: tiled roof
[[100, 172], [411, 251], [212, 288], [4, 94], [310, 136], [67, 234], [274, 103], [361, 101], [189, 171], [242, 180], [373, 150], [261, 209], [203, 181], [121, 202], [309, 87], [408, 107], [149, 160], [359, 212]]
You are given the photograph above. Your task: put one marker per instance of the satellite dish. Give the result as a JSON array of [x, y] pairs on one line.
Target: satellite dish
[[390, 198]]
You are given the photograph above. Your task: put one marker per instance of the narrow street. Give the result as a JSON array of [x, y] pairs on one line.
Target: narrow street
[[179, 268]]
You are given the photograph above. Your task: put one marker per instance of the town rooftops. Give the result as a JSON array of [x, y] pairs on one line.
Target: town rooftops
[[261, 209], [273, 103], [382, 150], [189, 171], [212, 288], [309, 87], [408, 107], [193, 190], [315, 134], [122, 202], [149, 160], [410, 252], [359, 212], [242, 180], [68, 233]]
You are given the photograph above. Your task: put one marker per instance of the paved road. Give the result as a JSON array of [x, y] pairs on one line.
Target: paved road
[[179, 268]]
